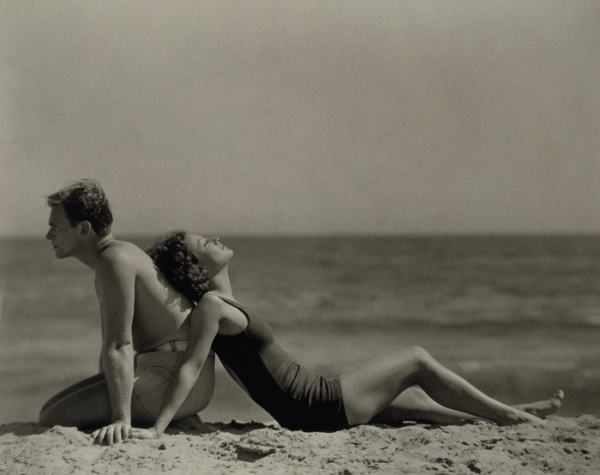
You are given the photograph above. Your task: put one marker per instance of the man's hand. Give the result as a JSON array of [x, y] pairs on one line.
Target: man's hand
[[113, 433]]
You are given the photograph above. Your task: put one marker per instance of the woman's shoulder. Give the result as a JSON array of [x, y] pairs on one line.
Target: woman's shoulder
[[216, 304], [224, 299], [210, 301]]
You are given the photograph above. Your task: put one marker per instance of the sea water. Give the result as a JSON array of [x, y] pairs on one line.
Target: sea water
[[518, 316]]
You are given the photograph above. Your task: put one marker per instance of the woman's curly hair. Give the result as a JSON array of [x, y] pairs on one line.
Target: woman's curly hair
[[180, 266]]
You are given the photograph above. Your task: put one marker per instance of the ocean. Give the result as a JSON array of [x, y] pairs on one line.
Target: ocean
[[518, 316]]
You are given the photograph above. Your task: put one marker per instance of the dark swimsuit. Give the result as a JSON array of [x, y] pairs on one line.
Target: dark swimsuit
[[295, 397]]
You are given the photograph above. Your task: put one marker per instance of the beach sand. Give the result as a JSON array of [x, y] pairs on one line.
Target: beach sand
[[564, 445]]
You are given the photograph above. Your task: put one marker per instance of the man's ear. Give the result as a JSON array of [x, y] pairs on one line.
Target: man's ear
[[84, 228]]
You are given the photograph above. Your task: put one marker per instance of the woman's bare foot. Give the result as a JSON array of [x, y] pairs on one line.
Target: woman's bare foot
[[515, 416], [543, 408]]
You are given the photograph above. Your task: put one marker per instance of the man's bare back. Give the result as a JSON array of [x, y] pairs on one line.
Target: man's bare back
[[159, 312]]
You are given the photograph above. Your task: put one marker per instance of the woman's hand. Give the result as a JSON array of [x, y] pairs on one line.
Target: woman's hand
[[143, 433]]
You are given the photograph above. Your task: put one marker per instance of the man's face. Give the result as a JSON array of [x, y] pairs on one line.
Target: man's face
[[64, 237]]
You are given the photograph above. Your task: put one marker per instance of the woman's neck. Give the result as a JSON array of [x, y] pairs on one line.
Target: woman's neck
[[221, 284]]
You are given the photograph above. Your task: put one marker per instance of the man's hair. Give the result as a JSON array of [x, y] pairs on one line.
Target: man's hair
[[84, 200]]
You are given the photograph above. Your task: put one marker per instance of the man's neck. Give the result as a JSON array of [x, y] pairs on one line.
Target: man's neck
[[90, 253]]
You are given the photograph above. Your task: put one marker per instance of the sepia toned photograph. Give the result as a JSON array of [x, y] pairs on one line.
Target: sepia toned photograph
[[299, 237]]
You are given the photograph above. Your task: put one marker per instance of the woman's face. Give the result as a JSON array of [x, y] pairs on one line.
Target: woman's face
[[211, 254]]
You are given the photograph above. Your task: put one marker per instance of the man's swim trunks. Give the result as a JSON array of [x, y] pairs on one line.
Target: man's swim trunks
[[295, 397], [154, 373]]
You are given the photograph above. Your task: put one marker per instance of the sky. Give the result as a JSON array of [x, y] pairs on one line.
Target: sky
[[304, 117]]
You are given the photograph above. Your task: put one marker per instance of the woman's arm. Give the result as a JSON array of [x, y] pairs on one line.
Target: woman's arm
[[235, 378], [204, 327]]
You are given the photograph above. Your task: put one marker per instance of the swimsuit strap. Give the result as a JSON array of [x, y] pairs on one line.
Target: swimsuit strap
[[231, 302]]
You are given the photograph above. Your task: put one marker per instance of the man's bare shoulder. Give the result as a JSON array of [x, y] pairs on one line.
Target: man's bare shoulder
[[122, 254]]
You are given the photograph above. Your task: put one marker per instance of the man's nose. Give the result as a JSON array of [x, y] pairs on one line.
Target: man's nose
[[48, 235]]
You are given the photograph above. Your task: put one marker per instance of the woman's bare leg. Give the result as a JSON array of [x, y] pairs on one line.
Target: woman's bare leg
[[371, 388], [415, 405]]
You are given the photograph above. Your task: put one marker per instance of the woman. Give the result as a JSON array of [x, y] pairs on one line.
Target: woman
[[406, 385]]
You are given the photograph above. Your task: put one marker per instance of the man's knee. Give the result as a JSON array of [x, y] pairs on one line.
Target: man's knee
[[47, 418]]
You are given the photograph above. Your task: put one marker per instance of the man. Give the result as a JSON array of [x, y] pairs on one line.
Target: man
[[140, 313]]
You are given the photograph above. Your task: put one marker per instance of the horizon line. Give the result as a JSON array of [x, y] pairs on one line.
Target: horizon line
[[283, 235]]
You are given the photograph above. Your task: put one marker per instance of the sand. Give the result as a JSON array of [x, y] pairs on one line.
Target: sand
[[563, 445]]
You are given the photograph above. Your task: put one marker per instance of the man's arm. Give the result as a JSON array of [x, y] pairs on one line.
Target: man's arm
[[115, 286]]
